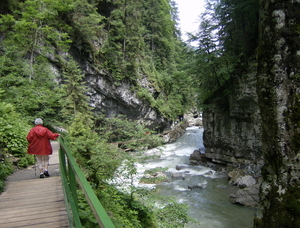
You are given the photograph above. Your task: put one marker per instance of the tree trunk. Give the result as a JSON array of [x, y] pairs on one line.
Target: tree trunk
[[279, 102]]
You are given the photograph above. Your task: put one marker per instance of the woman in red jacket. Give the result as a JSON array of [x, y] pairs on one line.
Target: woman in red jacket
[[39, 144]]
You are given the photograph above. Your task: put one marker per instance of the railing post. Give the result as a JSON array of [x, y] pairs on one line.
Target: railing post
[[70, 179], [74, 220], [73, 185], [62, 159]]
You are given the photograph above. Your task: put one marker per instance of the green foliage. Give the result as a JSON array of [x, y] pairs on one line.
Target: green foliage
[[133, 40], [87, 26], [13, 131], [103, 164], [13, 143], [127, 212], [96, 158], [227, 37], [99, 161], [129, 133], [154, 177], [32, 37], [74, 101], [5, 169], [166, 210], [25, 161], [173, 215], [121, 38], [86, 214], [155, 170], [238, 26], [160, 32]]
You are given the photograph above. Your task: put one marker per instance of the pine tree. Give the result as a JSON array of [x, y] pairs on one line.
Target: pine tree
[[75, 100]]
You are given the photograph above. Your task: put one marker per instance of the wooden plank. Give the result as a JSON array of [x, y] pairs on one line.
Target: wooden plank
[[30, 201], [39, 221], [54, 224], [32, 186], [37, 216], [31, 195], [33, 203], [30, 211]]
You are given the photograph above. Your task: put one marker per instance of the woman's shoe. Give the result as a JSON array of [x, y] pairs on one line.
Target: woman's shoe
[[46, 173]]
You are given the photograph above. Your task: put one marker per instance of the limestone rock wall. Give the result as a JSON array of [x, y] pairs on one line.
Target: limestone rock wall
[[278, 90], [111, 98], [232, 130]]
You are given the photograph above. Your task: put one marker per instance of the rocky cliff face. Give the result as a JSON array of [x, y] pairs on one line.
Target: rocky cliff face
[[112, 99], [232, 136], [278, 90], [232, 130], [233, 133]]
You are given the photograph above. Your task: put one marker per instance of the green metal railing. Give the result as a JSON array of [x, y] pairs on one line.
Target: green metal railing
[[71, 176]]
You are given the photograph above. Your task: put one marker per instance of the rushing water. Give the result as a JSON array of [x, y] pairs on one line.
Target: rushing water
[[209, 205]]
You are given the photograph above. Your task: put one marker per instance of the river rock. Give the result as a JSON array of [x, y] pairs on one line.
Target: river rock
[[245, 181], [209, 173], [248, 196], [180, 167], [197, 186], [234, 175], [177, 131], [160, 174], [197, 157], [178, 175]]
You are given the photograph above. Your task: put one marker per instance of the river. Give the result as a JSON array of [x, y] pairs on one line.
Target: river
[[209, 205]]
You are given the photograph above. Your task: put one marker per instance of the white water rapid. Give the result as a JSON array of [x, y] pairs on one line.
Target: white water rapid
[[209, 204]]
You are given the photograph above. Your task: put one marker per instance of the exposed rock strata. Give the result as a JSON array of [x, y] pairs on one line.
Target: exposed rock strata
[[232, 136], [232, 131], [112, 99], [177, 131]]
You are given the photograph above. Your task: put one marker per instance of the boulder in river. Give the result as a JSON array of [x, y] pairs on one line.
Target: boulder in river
[[246, 181], [180, 167], [197, 186], [178, 175], [234, 175], [197, 157], [248, 196]]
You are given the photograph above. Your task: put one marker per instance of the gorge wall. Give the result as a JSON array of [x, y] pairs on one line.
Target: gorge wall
[[111, 98], [259, 118], [232, 136], [278, 91], [232, 129]]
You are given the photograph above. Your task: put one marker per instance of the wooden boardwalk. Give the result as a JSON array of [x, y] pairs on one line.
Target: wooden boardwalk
[[34, 203]]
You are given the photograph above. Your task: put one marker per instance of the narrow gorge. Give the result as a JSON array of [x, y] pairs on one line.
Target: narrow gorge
[[254, 129]]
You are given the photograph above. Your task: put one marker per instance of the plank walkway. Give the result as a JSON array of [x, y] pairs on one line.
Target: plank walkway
[[29, 201]]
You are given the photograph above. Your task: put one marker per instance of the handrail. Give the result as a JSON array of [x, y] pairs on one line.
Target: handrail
[[70, 172]]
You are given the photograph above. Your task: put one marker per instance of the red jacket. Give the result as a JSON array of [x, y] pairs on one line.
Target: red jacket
[[39, 140]]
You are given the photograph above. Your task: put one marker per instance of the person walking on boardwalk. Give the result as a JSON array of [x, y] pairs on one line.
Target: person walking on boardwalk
[[39, 144]]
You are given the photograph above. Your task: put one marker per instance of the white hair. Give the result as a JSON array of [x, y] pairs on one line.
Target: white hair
[[38, 121]]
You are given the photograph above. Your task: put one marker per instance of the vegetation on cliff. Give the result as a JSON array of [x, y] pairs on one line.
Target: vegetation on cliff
[[43, 43], [227, 39], [266, 35]]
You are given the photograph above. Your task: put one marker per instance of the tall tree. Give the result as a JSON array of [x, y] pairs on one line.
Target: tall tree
[[160, 31], [75, 101], [227, 39]]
